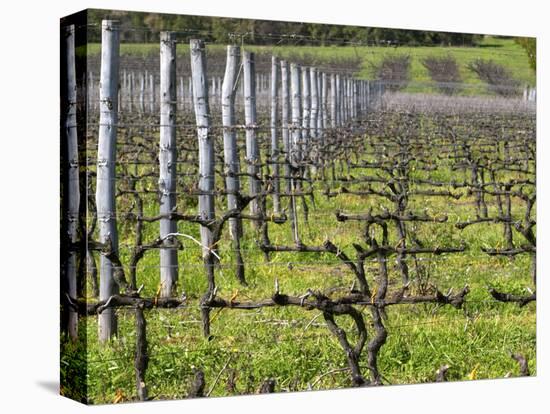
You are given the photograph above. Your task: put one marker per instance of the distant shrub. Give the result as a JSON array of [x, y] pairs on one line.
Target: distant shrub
[[498, 78], [394, 71], [444, 70], [348, 65]]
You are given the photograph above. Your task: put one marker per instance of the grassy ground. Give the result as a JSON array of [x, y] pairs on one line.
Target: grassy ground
[[292, 345], [502, 51]]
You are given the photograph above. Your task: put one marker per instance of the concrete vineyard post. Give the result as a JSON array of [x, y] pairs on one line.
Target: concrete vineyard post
[[106, 159], [168, 163]]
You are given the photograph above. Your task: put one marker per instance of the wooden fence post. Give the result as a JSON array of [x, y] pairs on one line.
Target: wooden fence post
[[141, 357], [252, 148], [106, 162], [367, 98], [274, 135], [206, 169], [152, 94], [295, 154], [206, 143], [190, 91], [142, 77], [131, 91], [345, 100], [121, 92], [90, 91], [333, 108], [314, 103], [296, 93], [181, 94], [71, 189], [339, 106], [323, 121], [285, 127], [322, 88], [168, 163], [231, 152], [306, 108]]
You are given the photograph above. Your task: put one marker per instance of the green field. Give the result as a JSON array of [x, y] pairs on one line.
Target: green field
[[292, 345], [502, 51]]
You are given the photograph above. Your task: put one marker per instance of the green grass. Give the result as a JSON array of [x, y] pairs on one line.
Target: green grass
[[502, 51], [291, 344]]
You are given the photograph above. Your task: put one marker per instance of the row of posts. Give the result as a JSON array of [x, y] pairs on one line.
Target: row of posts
[[305, 103], [530, 94], [138, 91]]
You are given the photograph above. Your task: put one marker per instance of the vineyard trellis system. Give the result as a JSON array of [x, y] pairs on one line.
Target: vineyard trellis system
[[261, 145]]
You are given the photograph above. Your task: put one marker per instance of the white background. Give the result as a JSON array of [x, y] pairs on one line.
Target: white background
[[29, 147]]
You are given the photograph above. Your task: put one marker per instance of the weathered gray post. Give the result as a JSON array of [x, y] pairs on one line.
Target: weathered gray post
[[364, 84], [182, 94], [333, 108], [306, 108], [295, 149], [90, 91], [352, 99], [322, 125], [274, 135], [206, 168], [131, 91], [231, 151], [285, 117], [357, 98], [71, 191], [152, 94], [106, 159], [252, 148], [342, 100], [142, 78], [190, 91], [345, 101], [296, 92], [168, 162], [338, 100], [206, 142], [368, 97], [122, 92], [322, 88], [314, 103]]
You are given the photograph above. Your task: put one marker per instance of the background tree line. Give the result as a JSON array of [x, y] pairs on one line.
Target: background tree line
[[144, 27]]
